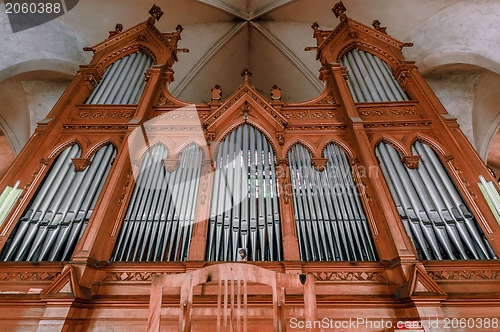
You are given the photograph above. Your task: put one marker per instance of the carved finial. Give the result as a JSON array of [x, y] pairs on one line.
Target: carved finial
[[246, 74], [179, 28], [156, 12], [216, 92], [275, 93], [118, 28], [315, 26], [339, 10], [377, 25]]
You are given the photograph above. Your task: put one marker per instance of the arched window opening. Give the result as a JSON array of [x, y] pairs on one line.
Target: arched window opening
[[370, 78], [123, 81], [330, 219], [60, 210], [159, 220], [434, 214], [244, 216]]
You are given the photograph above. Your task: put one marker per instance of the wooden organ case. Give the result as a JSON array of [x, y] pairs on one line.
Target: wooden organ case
[[363, 202]]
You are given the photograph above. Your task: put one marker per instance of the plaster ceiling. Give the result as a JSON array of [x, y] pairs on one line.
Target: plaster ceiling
[[269, 36]]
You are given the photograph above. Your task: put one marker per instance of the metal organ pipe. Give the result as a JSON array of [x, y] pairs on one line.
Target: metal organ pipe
[[370, 78], [127, 75], [122, 82], [341, 230], [274, 199], [453, 204], [159, 220], [419, 221], [358, 76], [244, 210], [129, 97], [433, 194], [367, 76], [354, 88], [43, 232]]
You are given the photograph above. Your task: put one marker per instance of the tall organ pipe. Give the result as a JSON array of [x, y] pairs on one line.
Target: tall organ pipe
[[297, 207], [88, 205], [353, 85], [274, 198], [64, 215], [421, 223], [454, 204], [342, 227], [239, 210], [357, 207], [413, 190], [135, 60], [42, 231], [106, 82], [238, 182], [304, 204], [79, 211], [370, 78], [158, 222], [122, 82], [431, 189], [305, 166], [130, 96]]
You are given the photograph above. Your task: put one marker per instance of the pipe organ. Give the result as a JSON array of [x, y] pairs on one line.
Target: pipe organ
[[122, 82], [60, 210], [329, 216], [434, 215], [244, 213], [371, 78], [160, 216], [366, 194]]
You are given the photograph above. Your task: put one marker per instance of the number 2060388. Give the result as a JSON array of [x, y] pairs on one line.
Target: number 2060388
[[33, 8]]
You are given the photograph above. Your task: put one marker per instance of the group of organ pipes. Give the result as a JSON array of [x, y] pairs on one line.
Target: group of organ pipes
[[83, 201]]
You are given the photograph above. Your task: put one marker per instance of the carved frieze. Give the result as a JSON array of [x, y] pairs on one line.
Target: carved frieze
[[87, 114], [29, 276], [133, 276], [349, 276], [396, 111], [464, 274], [89, 127], [316, 127], [398, 124], [310, 115]]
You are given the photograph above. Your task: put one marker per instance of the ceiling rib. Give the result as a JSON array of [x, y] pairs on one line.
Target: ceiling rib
[[289, 54], [247, 16], [226, 8], [186, 80], [267, 8]]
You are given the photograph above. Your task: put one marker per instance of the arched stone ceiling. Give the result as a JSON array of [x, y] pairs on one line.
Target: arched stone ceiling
[[269, 36], [276, 33]]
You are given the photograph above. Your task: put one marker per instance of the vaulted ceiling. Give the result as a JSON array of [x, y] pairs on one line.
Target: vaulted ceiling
[[269, 36], [455, 47]]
